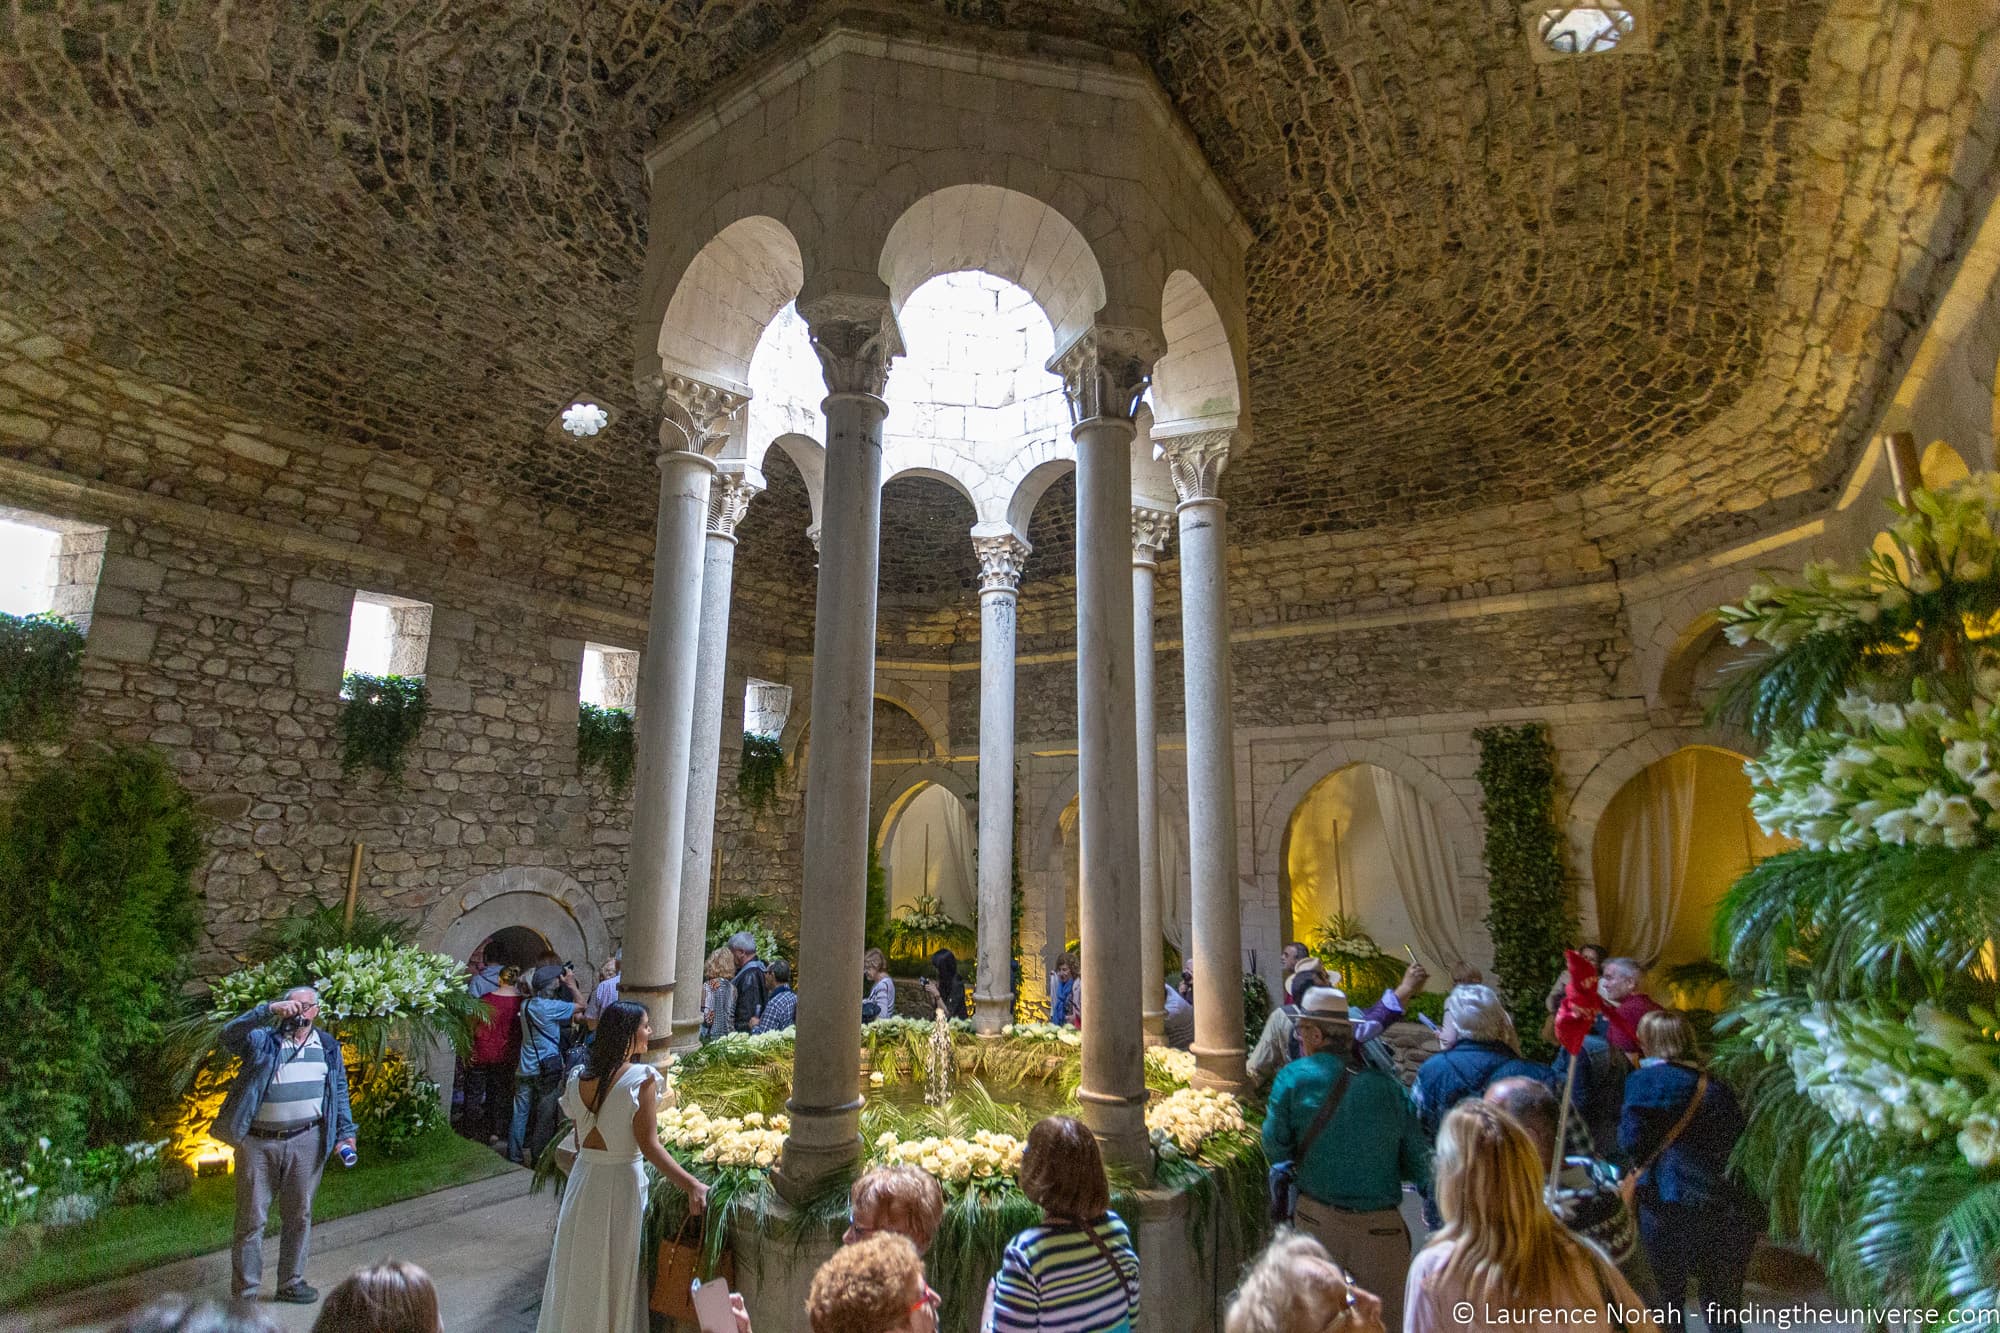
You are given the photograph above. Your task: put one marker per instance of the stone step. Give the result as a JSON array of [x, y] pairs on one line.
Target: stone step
[[210, 1272]]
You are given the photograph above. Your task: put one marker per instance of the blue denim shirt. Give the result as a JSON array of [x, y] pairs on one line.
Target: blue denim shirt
[[541, 1043], [253, 1040]]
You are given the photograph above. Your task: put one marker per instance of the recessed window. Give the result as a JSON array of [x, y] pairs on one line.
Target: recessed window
[[610, 676], [387, 636], [1582, 30], [27, 568], [49, 566], [766, 705]]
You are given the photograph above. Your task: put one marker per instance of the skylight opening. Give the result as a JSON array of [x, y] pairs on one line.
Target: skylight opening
[[1581, 30]]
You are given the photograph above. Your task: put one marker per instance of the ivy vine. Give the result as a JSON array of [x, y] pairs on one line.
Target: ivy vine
[[41, 675], [604, 743], [762, 771], [1530, 916], [379, 720]]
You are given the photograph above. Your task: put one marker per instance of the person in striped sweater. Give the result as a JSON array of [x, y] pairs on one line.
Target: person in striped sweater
[[1076, 1272]]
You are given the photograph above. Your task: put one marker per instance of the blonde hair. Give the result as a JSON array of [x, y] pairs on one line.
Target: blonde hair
[[721, 966], [906, 1199], [1294, 1287], [866, 1287], [1668, 1034], [1507, 1249], [873, 961]]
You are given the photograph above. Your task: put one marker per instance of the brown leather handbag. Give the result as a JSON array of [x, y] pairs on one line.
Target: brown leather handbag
[[678, 1265]]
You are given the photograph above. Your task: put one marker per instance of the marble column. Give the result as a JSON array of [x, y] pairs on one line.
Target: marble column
[[1196, 461], [728, 498], [1000, 560], [1150, 529], [855, 339], [1105, 372], [665, 717]]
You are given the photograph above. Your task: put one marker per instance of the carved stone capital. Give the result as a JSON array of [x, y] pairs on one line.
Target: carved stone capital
[[1151, 529], [729, 497], [1196, 462], [855, 338], [1001, 560], [1106, 371], [695, 415]]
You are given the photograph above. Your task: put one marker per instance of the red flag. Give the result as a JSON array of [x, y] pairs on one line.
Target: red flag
[[1580, 1003]]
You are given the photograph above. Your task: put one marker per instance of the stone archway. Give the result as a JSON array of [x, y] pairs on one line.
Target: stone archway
[[545, 901]]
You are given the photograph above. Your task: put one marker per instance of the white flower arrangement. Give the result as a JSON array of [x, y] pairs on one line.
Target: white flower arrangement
[[1926, 1078], [1899, 775], [1069, 1036], [753, 1141], [392, 981], [954, 1161], [1176, 1065], [1190, 1117]]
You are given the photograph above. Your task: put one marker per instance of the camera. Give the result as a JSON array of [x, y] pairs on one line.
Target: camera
[[295, 1023]]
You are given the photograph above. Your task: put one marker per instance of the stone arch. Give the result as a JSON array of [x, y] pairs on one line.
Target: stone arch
[[947, 479], [1610, 774], [727, 296], [546, 901], [928, 712], [1467, 839], [786, 387], [1005, 233], [1674, 689], [907, 783], [1032, 486], [1197, 378]]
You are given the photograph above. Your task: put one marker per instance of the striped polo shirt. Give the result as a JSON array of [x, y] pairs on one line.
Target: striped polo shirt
[[1057, 1279], [298, 1090]]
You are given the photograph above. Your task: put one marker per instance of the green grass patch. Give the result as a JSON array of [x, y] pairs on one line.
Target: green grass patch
[[132, 1238]]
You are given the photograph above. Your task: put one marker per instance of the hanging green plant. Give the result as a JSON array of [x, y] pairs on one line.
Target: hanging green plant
[[379, 720], [604, 743], [1529, 916], [41, 674], [762, 771]]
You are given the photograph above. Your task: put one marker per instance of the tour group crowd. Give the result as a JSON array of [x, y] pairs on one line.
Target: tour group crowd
[[1614, 1212]]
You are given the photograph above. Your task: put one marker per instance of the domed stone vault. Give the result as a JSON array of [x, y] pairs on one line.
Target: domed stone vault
[[1478, 279]]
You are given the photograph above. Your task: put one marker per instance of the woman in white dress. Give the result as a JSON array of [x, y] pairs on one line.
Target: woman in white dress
[[596, 1282]]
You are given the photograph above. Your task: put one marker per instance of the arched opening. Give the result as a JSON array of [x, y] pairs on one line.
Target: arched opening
[[928, 844], [1365, 853], [515, 946], [732, 290], [1942, 466], [927, 558], [1670, 843], [1195, 378]]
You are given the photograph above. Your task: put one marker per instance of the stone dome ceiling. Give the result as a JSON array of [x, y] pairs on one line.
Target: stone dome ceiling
[[1478, 279]]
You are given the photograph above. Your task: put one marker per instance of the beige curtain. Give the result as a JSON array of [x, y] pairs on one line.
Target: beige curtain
[[1637, 910], [1176, 906], [1421, 860]]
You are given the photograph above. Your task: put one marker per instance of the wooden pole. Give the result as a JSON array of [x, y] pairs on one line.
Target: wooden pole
[[1562, 1123], [353, 890], [1905, 464]]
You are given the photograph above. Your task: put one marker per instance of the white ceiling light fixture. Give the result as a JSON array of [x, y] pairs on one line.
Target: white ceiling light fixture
[[584, 419], [1560, 32]]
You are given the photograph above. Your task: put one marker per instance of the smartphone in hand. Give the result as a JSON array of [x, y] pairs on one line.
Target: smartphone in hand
[[711, 1306]]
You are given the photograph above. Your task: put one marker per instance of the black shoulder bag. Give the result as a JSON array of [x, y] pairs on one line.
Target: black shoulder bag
[[1284, 1178]]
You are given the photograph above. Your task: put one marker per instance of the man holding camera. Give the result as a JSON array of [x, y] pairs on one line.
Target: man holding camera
[[286, 1114]]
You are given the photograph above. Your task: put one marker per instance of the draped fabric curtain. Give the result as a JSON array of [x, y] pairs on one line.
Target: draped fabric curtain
[[1421, 860], [1176, 894], [934, 819], [958, 879], [1637, 910]]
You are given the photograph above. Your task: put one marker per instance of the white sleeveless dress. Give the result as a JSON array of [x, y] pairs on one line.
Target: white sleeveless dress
[[596, 1280]]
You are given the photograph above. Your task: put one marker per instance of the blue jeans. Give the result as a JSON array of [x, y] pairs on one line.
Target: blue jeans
[[529, 1131]]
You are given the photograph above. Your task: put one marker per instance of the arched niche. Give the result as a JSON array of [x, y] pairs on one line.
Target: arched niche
[[928, 844], [1666, 849], [1196, 377], [1365, 845]]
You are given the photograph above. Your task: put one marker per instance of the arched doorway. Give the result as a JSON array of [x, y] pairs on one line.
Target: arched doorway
[[1669, 845], [927, 843], [1367, 849]]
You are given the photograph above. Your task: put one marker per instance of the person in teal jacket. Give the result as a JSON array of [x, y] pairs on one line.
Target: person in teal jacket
[[1351, 1180]]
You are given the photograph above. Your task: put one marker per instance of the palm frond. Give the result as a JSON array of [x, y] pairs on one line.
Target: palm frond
[[1785, 691]]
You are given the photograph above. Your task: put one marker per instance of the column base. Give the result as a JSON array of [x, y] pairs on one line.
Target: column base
[[990, 1013], [1154, 1027], [1221, 1070], [825, 1141], [1119, 1124], [685, 1038]]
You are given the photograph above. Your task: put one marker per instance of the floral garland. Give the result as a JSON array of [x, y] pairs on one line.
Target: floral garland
[[1909, 774], [1929, 1077]]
